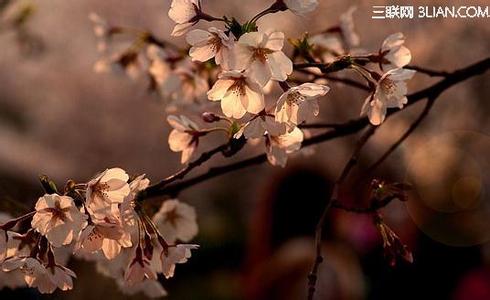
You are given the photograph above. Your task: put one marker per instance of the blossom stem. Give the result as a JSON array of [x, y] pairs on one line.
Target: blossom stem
[[274, 8]]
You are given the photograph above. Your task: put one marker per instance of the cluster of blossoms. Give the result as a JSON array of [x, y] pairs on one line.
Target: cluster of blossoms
[[238, 66], [98, 221]]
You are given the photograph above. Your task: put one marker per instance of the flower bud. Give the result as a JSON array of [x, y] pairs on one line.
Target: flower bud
[[210, 117]]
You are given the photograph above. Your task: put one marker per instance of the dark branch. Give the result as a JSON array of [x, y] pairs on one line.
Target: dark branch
[[410, 130], [429, 72], [345, 129], [313, 276]]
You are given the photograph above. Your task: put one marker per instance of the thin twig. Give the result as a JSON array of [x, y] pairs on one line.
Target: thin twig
[[346, 81], [429, 72], [313, 276], [410, 130], [204, 157]]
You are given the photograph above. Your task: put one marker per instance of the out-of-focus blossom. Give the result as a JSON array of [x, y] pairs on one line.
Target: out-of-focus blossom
[[151, 288], [58, 218], [185, 14], [391, 91], [106, 191], [238, 94], [45, 278], [327, 47], [176, 221], [101, 30], [193, 86], [261, 54], [347, 29], [301, 7], [208, 44], [394, 52], [184, 137], [299, 103], [162, 75], [278, 147], [127, 60], [261, 124]]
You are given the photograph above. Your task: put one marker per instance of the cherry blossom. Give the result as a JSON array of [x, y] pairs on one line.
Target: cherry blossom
[[261, 53], [164, 78], [176, 221], [299, 103], [178, 254], [185, 14], [327, 47], [261, 124], [45, 278], [238, 94], [394, 52], [108, 235], [106, 191], [139, 269], [208, 44], [301, 7], [349, 34], [193, 86], [184, 136], [391, 91], [278, 147], [151, 288], [58, 218], [3, 244]]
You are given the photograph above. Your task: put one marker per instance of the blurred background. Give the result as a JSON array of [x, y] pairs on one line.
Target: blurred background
[[57, 117]]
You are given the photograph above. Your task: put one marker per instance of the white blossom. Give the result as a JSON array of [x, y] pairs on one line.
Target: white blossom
[[45, 278], [106, 191], [168, 258], [261, 53], [176, 221], [278, 147], [327, 46], [165, 79], [391, 91], [208, 44], [348, 32], [394, 52], [193, 86], [301, 7], [139, 269], [58, 218], [260, 125], [185, 14], [299, 103], [184, 137], [238, 94], [108, 235]]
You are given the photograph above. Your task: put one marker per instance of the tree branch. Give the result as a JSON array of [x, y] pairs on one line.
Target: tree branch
[[342, 130], [410, 130], [313, 276]]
